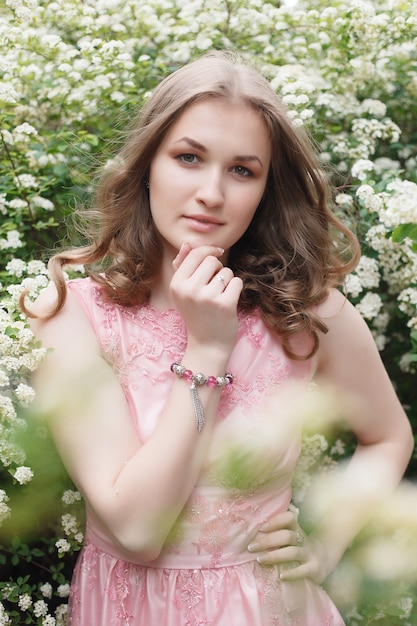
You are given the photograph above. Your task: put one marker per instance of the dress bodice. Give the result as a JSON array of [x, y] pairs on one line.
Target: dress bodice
[[255, 442]]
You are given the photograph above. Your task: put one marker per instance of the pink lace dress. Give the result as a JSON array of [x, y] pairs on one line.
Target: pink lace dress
[[205, 574]]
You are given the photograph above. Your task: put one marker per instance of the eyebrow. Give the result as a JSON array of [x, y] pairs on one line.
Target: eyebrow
[[239, 157]]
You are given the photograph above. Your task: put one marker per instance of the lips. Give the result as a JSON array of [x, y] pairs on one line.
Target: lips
[[204, 224], [204, 219]]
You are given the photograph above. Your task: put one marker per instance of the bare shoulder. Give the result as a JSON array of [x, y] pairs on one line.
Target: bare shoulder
[[338, 312], [334, 305], [348, 340], [45, 302], [349, 364], [68, 330]]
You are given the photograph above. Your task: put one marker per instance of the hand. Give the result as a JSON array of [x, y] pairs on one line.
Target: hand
[[281, 540], [206, 294]]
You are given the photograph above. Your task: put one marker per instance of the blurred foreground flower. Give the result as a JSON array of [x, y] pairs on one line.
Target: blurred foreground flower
[[378, 575]]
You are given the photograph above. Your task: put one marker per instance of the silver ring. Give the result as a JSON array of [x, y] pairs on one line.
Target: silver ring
[[299, 538], [220, 278]]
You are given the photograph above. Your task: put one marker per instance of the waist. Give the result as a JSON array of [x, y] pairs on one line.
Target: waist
[[211, 531], [173, 560]]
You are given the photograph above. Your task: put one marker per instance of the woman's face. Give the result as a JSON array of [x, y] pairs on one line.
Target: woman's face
[[208, 176]]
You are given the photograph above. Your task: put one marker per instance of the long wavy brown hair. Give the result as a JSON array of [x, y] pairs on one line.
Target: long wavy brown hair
[[295, 248]]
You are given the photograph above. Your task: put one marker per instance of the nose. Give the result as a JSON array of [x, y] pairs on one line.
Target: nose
[[210, 190]]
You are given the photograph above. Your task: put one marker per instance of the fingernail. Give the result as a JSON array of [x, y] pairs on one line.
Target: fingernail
[[252, 547], [221, 250]]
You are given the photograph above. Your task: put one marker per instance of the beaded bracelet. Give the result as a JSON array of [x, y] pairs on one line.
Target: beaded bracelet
[[198, 380]]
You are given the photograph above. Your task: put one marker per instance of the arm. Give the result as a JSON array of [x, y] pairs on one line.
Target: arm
[[137, 491], [348, 362]]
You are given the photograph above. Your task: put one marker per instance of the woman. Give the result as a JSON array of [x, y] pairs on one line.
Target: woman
[[215, 294]]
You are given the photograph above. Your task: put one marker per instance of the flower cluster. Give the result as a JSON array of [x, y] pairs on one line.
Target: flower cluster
[[20, 355], [43, 601], [393, 264]]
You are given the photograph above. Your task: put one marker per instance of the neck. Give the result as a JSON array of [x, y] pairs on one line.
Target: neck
[[160, 297]]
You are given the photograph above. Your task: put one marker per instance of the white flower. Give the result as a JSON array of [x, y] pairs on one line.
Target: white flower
[[370, 305], [373, 107], [23, 132], [405, 604], [361, 168], [49, 621], [353, 285], [3, 205], [16, 267], [43, 203], [36, 267], [8, 94], [70, 496], [63, 546], [61, 614], [63, 591], [69, 523], [338, 448], [344, 199], [400, 203], [4, 618], [373, 202], [7, 137], [412, 323], [384, 164], [18, 203], [12, 241], [25, 393], [4, 379], [406, 363], [46, 590], [380, 341], [367, 271], [117, 96], [25, 601], [50, 40], [40, 608], [4, 508], [27, 181], [23, 474], [7, 410]]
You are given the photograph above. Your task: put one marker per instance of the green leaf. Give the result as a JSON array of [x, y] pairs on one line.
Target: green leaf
[[38, 553], [403, 231]]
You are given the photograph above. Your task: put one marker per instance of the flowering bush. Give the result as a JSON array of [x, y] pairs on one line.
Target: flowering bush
[[72, 74]]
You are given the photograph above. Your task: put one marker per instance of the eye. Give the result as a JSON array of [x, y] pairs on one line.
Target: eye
[[240, 170], [187, 157]]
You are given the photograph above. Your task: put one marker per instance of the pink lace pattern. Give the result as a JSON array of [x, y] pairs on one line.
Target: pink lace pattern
[[205, 575]]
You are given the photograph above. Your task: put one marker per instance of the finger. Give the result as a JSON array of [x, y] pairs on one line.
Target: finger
[[233, 290], [188, 259], [286, 554], [203, 275], [286, 519], [221, 279], [273, 540], [300, 570], [183, 252]]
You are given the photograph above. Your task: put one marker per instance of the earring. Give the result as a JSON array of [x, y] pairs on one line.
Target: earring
[[146, 183]]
